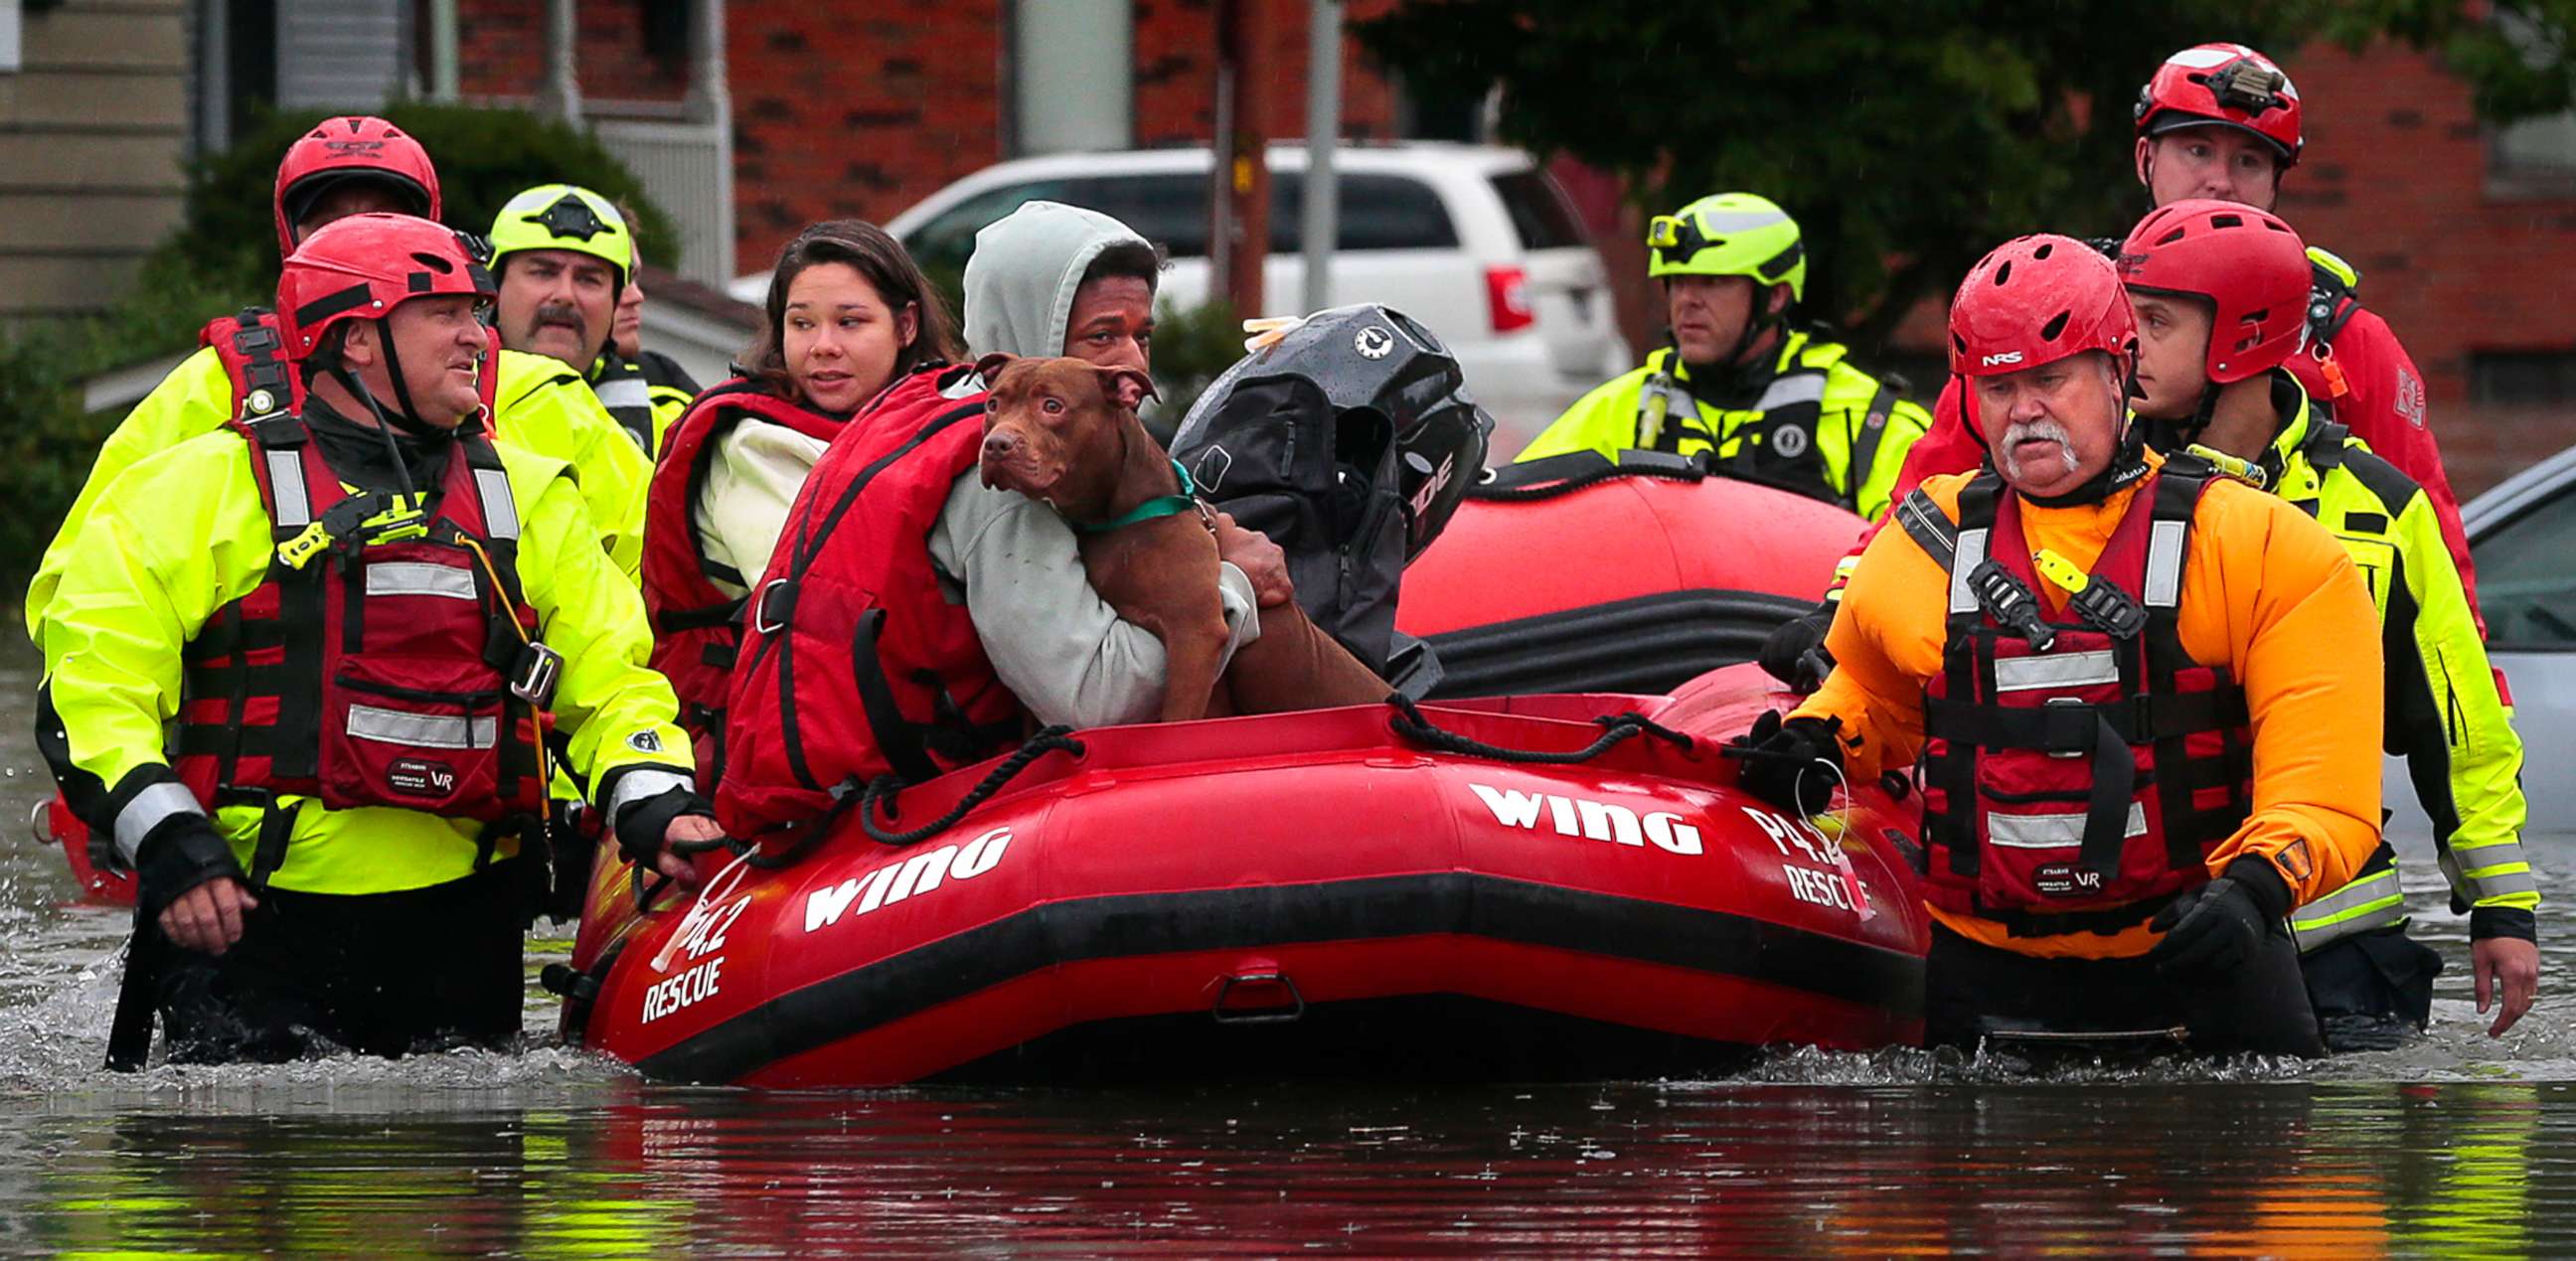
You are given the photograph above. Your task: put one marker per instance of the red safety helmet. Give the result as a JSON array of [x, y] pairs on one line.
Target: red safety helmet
[[352, 147], [2245, 263], [362, 267], [2223, 85], [2035, 300]]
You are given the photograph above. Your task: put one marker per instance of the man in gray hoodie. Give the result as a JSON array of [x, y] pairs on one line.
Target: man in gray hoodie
[[1047, 280]]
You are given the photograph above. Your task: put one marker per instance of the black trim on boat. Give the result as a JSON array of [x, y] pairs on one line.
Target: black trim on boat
[[1466, 904]]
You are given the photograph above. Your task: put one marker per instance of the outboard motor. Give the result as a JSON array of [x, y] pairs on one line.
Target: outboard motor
[[1349, 441]]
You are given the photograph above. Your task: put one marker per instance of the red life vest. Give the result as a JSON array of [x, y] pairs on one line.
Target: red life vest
[[855, 664], [248, 345], [696, 626], [383, 673], [2076, 786]]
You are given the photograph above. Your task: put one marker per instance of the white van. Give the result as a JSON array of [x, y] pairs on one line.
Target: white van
[[1476, 242]]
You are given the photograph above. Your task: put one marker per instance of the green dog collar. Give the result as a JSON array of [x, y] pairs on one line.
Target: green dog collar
[[1152, 509]]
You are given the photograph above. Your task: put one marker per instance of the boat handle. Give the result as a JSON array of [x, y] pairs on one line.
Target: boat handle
[[1260, 1015], [45, 839]]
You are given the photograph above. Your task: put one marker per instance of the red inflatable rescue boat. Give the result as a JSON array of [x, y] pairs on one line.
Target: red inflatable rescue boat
[[1339, 892], [1575, 574]]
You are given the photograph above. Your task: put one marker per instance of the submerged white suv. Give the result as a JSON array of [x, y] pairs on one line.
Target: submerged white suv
[[1474, 241]]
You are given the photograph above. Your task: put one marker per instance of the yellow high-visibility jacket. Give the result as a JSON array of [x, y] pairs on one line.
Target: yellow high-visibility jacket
[[2444, 714], [542, 407], [180, 535], [1817, 425]]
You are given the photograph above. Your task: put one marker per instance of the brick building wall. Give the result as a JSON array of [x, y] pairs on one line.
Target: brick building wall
[[501, 53], [2398, 178], [833, 117], [837, 117]]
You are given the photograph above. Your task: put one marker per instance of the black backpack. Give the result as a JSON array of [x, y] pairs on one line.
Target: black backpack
[[1349, 442]]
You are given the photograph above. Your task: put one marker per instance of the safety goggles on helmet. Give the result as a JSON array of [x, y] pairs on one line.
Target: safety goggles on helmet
[[563, 217], [1729, 234], [2223, 85]]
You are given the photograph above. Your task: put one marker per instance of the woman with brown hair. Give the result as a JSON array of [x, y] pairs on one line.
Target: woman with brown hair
[[849, 312]]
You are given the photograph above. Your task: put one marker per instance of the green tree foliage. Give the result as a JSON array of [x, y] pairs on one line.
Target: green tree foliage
[[1906, 140], [2513, 53]]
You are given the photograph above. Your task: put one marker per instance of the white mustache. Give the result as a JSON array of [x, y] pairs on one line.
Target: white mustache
[[2023, 430]]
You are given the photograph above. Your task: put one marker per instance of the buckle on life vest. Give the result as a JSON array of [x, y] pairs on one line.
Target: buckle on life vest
[[2111, 610], [774, 607], [2068, 726], [2011, 603], [534, 675]]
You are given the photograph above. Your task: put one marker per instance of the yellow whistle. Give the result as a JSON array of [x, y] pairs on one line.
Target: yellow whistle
[[2245, 471], [299, 551], [2059, 570]]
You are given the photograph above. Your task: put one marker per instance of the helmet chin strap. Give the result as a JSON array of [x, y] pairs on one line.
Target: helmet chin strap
[[2191, 430], [406, 413], [384, 424]]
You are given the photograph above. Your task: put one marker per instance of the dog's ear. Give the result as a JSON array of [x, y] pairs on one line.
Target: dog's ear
[[1127, 387], [990, 366]]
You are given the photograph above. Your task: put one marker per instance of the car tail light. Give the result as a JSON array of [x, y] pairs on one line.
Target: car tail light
[[1507, 298]]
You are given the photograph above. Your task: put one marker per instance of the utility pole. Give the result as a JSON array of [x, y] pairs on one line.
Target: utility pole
[[1239, 234], [1321, 228]]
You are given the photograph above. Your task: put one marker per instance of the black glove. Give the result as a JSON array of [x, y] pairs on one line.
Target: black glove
[[2213, 930], [1780, 761], [1795, 652], [641, 826], [180, 854]]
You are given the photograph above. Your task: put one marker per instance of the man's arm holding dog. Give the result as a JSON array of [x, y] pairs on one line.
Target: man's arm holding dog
[[1051, 639]]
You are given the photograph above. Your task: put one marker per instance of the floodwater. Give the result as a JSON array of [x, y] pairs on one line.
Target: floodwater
[[2452, 1145]]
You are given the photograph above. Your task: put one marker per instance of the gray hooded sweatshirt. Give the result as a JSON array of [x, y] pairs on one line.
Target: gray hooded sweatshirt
[[1014, 562]]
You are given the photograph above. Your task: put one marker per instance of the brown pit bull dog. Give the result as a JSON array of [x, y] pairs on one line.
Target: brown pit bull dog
[[1064, 432]]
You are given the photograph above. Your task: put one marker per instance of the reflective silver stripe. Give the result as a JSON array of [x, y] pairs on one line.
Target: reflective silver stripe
[[642, 784], [286, 482], [424, 731], [1801, 387], [2065, 669], [2164, 562], [415, 578], [2350, 910], [2051, 831], [624, 392], [1972, 553], [500, 512], [146, 811], [2502, 886]]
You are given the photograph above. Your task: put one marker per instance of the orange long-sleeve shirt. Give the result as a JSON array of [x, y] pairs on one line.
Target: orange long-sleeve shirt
[[2267, 593]]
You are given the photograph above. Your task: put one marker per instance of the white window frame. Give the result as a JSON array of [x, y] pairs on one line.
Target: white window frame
[[13, 47]]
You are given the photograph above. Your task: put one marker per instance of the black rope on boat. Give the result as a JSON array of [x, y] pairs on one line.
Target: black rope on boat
[[884, 787], [1592, 477], [1410, 723]]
